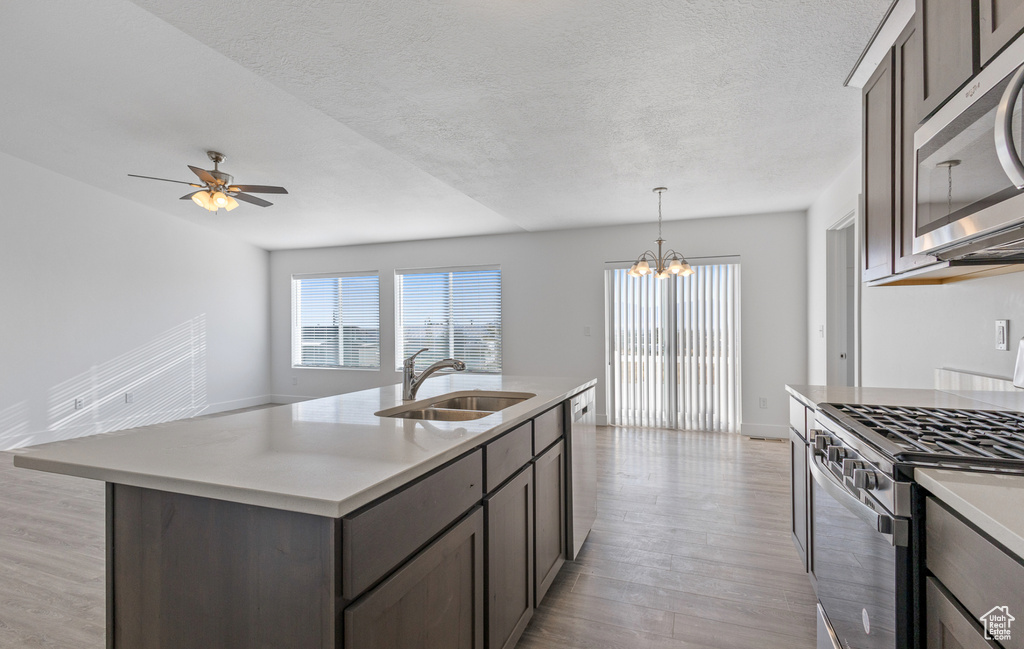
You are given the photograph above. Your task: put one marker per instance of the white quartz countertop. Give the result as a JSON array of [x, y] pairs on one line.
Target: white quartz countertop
[[325, 456], [994, 503], [812, 395]]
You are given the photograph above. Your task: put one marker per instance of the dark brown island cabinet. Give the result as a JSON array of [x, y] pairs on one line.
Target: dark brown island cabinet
[[456, 559], [938, 54]]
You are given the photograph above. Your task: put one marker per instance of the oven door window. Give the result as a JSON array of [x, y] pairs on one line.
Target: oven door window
[[958, 170], [855, 568]]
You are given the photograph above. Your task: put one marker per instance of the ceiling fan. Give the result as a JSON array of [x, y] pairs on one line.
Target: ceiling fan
[[217, 192]]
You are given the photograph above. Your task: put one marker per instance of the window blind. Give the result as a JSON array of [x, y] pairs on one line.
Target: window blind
[[454, 313], [336, 321], [675, 347]]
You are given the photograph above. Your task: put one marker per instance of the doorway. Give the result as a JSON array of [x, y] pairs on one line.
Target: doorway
[[674, 349], [842, 324]]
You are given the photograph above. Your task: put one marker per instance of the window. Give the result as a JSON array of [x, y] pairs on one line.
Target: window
[[336, 321], [674, 346], [455, 313]]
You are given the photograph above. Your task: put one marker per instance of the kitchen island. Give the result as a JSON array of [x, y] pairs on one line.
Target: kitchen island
[[321, 524]]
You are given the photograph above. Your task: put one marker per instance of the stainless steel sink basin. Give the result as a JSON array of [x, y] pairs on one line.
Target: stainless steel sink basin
[[457, 406], [440, 414], [490, 404]]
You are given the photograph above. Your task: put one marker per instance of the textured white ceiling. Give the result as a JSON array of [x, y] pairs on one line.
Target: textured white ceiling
[[405, 120]]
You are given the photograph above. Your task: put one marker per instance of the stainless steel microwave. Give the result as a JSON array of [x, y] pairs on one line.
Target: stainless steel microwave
[[969, 178]]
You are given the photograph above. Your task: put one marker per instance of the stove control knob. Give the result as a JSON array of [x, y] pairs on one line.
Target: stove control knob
[[822, 442], [849, 466], [865, 479], [836, 454]]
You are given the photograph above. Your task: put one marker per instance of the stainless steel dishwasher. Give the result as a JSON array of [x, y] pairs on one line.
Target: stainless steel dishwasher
[[582, 459]]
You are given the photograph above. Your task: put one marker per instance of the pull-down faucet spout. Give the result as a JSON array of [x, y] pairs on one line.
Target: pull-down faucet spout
[[411, 381]]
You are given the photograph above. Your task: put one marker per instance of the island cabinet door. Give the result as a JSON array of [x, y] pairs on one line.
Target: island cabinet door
[[435, 601], [549, 503], [509, 513]]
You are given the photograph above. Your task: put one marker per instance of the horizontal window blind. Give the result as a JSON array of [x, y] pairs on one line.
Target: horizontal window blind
[[336, 321], [454, 313]]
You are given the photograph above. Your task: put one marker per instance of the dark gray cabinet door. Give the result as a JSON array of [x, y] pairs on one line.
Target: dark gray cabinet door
[[947, 625], [549, 483], [999, 22], [435, 601], [798, 494], [879, 168], [509, 513], [948, 55], [907, 52]]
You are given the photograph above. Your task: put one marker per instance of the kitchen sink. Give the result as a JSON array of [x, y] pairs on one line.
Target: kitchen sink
[[487, 403], [440, 414], [457, 406]]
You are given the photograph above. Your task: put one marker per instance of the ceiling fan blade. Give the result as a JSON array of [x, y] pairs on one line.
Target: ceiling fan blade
[[255, 200], [189, 196], [258, 189], [183, 182], [204, 175]]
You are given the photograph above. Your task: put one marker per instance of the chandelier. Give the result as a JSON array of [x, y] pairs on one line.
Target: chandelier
[[662, 265]]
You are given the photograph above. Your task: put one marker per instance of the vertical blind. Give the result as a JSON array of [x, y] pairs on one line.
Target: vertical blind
[[676, 349], [454, 313], [336, 321]]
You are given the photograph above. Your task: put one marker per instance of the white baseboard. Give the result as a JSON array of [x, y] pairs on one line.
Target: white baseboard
[[288, 398], [602, 420], [235, 404], [771, 431]]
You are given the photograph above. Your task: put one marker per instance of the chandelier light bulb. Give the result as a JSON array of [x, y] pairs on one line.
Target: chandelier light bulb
[[643, 267]]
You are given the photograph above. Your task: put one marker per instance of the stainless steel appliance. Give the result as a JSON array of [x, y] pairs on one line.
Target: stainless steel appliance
[[582, 458], [868, 512], [969, 202]]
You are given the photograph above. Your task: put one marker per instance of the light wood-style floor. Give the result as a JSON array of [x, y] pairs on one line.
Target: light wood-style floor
[[691, 549]]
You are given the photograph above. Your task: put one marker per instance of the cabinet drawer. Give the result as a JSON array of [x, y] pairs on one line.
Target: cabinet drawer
[[947, 625], [798, 418], [381, 537], [548, 427], [436, 600], [507, 454], [978, 573]]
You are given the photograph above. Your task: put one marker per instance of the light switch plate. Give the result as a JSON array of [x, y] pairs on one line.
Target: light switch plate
[[1002, 335]]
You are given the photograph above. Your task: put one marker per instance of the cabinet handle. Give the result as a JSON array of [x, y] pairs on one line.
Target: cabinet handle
[[1005, 149]]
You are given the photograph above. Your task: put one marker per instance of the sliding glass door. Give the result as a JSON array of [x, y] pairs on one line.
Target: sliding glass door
[[674, 349]]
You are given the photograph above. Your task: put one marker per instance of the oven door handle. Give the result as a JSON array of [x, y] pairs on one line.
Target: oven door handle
[[881, 523], [1005, 149]]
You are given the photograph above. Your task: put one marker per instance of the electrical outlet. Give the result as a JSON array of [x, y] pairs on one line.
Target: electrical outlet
[[79, 403], [586, 330], [295, 380], [763, 402], [129, 397], [1002, 335]]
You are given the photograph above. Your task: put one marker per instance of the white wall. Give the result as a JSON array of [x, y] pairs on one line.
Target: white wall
[[101, 296], [553, 287], [838, 200], [909, 331]]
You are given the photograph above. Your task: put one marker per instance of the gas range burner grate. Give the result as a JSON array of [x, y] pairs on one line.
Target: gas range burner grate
[[943, 433]]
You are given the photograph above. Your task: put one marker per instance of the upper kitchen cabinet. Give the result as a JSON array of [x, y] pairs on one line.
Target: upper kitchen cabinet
[[879, 170], [945, 32], [999, 22], [907, 108]]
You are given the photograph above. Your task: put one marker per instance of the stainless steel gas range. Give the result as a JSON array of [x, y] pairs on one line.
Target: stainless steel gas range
[[867, 512]]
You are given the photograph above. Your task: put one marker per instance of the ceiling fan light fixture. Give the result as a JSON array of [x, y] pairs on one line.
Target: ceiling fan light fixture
[[204, 200], [231, 204], [220, 199]]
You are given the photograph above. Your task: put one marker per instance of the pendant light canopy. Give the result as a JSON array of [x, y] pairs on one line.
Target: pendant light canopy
[[663, 265]]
